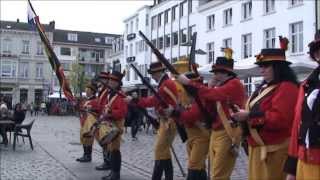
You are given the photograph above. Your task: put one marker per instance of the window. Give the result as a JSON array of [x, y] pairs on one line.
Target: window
[[160, 41], [166, 16], [154, 22], [8, 69], [141, 46], [147, 19], [65, 51], [7, 46], [295, 2], [210, 22], [269, 38], [227, 17], [246, 10], [246, 45], [108, 40], [127, 28], [182, 6], [126, 51], [154, 42], [25, 47], [269, 6], [167, 40], [128, 73], [159, 19], [72, 37], [131, 27], [227, 43], [192, 30], [183, 36], [190, 6], [210, 50], [137, 24], [137, 47], [23, 69], [131, 50], [39, 48], [66, 66], [174, 13], [39, 70], [296, 37], [175, 38], [135, 74]]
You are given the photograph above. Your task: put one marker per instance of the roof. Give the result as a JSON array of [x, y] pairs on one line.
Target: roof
[[87, 38], [23, 26]]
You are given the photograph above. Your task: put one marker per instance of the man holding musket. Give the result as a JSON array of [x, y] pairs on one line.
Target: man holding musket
[[227, 92], [167, 130]]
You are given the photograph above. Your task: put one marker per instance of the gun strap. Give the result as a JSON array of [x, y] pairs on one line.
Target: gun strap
[[253, 132]]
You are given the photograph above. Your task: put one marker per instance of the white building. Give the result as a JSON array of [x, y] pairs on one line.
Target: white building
[[246, 26], [115, 58], [135, 49]]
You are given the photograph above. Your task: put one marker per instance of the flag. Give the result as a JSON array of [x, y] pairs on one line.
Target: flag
[[33, 19]]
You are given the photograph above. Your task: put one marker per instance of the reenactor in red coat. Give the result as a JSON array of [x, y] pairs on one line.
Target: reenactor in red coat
[[114, 113], [103, 92], [89, 111], [304, 149], [219, 100], [167, 130], [198, 136], [269, 116]]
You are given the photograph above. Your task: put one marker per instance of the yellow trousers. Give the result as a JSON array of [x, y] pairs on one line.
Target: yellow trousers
[[222, 160], [270, 168], [115, 144], [307, 171], [197, 147], [85, 140], [165, 137], [89, 121]]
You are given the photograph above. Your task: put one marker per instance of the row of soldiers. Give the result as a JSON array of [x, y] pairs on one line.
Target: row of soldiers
[[281, 114]]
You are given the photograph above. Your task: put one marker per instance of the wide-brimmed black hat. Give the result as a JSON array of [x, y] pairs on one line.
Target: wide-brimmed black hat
[[223, 64], [103, 75], [116, 76], [315, 44], [156, 67], [271, 55]]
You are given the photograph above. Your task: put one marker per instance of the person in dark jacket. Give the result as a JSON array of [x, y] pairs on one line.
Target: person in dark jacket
[[19, 114], [134, 115]]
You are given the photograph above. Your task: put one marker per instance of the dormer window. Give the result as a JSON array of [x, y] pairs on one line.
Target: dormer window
[[72, 37]]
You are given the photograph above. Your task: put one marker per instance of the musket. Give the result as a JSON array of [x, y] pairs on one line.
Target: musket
[[163, 60], [192, 55], [181, 130]]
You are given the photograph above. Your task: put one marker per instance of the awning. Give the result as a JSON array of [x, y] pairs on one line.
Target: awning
[[247, 68]]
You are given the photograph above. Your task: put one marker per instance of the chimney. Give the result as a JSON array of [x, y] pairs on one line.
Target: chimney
[[52, 24], [18, 20]]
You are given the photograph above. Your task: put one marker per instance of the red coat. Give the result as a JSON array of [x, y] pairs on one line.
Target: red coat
[[275, 114], [119, 107], [89, 106], [231, 92], [103, 97], [152, 101], [191, 115], [297, 151]]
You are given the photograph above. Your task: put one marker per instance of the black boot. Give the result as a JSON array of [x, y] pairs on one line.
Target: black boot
[[197, 174], [115, 166], [87, 154], [203, 175], [157, 170], [106, 165], [168, 169]]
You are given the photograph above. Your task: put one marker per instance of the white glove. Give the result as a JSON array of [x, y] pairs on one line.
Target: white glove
[[183, 79], [168, 111]]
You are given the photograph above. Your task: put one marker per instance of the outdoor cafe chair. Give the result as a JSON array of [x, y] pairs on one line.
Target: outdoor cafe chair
[[22, 130]]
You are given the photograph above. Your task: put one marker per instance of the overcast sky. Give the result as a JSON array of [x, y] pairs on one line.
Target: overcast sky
[[104, 16]]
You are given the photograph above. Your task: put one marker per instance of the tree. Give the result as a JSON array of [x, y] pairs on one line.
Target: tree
[[77, 78]]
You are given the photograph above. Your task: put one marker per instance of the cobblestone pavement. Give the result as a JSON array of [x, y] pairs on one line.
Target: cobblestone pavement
[[56, 141]]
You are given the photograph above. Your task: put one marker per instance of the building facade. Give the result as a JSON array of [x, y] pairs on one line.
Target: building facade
[[245, 26], [25, 72]]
